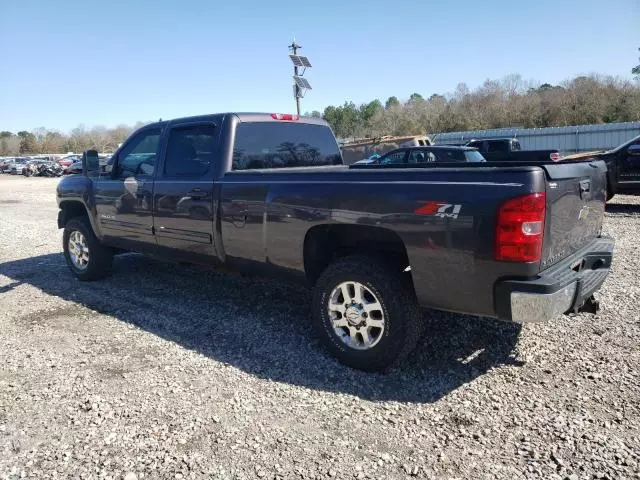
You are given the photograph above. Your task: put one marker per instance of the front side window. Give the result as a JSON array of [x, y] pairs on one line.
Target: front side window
[[474, 156], [138, 157], [190, 151], [393, 157], [278, 145]]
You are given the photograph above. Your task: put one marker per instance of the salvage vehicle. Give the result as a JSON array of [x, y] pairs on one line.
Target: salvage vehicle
[[413, 155], [360, 149], [74, 168], [508, 149], [16, 165], [5, 164], [623, 167], [269, 193]]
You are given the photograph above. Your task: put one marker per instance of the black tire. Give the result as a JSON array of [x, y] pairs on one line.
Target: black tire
[[403, 318], [100, 257], [609, 194]]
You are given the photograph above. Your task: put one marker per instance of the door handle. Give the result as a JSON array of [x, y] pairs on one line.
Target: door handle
[[197, 193], [585, 185]]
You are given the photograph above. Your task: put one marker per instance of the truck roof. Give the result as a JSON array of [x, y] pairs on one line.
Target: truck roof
[[502, 139], [244, 117]]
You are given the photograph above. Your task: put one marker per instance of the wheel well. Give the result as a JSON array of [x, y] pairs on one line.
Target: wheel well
[[324, 243], [71, 210]]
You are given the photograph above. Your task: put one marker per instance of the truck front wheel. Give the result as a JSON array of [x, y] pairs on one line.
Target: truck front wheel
[[86, 257], [365, 313]]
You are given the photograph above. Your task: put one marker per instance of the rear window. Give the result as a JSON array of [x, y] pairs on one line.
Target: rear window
[[278, 145]]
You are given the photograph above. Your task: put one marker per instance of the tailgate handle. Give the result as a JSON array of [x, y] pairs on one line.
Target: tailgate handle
[[585, 186]]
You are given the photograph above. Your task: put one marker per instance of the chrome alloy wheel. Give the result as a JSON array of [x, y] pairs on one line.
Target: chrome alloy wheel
[[78, 250], [356, 315]]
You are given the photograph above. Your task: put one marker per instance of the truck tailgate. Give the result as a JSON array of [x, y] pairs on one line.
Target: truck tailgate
[[575, 208]]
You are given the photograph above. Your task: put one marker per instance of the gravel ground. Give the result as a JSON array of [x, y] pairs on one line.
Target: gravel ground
[[163, 371]]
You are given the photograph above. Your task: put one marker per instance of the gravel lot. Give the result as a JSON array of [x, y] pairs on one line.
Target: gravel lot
[[165, 371]]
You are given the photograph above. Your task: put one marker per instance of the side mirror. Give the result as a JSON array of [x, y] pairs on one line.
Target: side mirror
[[108, 168], [634, 150], [90, 163]]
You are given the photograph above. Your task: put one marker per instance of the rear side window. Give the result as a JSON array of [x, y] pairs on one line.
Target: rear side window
[[450, 156], [421, 156], [279, 145], [190, 150], [498, 147]]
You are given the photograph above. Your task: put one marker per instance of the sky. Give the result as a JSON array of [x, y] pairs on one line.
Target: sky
[[66, 62]]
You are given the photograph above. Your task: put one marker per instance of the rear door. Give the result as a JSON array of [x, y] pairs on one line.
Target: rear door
[[575, 208], [183, 191]]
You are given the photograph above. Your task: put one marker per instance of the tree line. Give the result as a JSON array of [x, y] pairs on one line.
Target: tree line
[[42, 140], [508, 102]]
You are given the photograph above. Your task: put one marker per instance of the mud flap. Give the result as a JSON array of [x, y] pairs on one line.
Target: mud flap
[[591, 305]]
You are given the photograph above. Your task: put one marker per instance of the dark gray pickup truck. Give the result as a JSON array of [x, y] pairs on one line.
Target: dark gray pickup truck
[[503, 149], [268, 192], [623, 167]]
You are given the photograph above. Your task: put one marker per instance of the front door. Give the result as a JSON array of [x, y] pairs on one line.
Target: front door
[[124, 197], [629, 165], [183, 193]]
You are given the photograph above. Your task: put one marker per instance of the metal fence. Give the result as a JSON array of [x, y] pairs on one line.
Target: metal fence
[[579, 138]]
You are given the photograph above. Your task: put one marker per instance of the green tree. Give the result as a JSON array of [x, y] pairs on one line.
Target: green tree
[[5, 134], [28, 144], [636, 70], [392, 102], [415, 97], [369, 110], [330, 115]]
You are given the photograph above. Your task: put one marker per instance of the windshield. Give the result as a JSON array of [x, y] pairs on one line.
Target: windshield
[[474, 156]]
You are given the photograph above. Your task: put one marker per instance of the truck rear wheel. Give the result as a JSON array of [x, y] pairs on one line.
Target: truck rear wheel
[[86, 257], [365, 313]]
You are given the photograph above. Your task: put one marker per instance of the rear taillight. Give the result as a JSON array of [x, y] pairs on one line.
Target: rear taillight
[[555, 156], [284, 116], [520, 228]]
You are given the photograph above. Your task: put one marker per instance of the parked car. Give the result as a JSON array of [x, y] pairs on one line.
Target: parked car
[[68, 160], [16, 165], [623, 167], [74, 168], [508, 149], [519, 241], [4, 164], [358, 149], [418, 155]]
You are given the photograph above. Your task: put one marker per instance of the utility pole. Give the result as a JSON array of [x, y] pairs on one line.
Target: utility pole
[[300, 83], [296, 89]]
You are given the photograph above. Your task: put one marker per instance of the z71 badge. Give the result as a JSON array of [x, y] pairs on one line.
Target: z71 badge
[[439, 209]]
